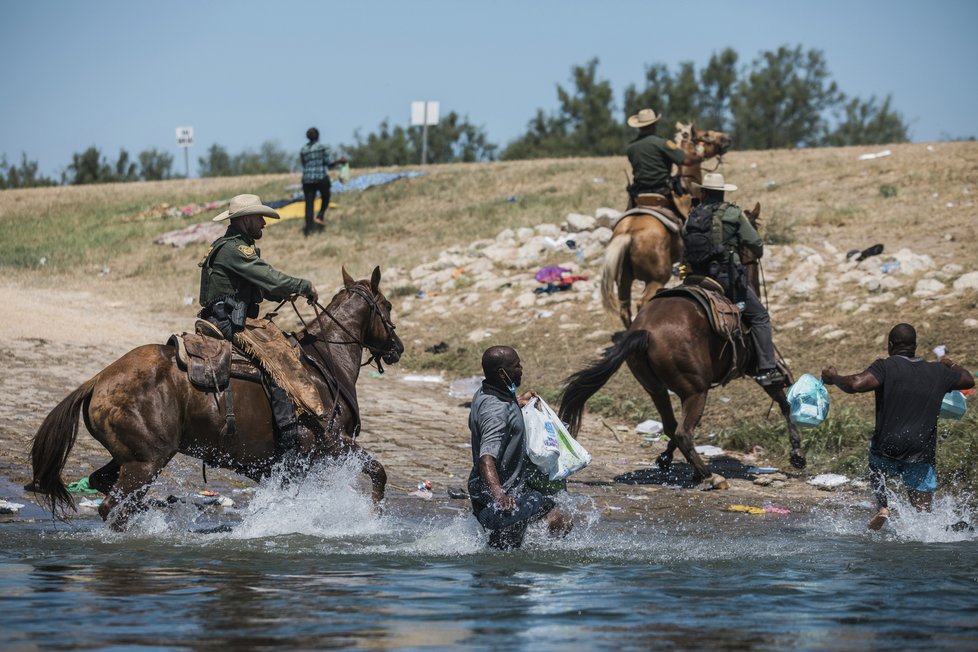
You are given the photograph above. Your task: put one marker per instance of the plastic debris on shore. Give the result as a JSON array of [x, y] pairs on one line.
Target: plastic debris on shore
[[868, 157], [90, 503], [416, 378], [828, 481], [464, 388], [709, 451], [9, 508], [649, 427]]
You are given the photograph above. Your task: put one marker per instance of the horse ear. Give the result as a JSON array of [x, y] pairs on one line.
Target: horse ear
[[375, 280], [347, 279], [757, 208]]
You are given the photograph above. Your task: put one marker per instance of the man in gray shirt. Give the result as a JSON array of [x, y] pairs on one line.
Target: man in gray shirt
[[501, 500]]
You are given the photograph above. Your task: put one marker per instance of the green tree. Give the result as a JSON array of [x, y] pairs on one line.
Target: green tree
[[24, 175], [717, 82], [783, 100], [866, 123], [90, 167], [155, 165], [269, 159], [125, 170], [584, 125], [454, 139], [216, 162]]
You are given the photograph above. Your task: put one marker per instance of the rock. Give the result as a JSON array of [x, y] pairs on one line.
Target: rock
[[911, 263], [835, 335], [505, 234], [928, 287], [479, 334], [602, 235], [970, 323], [526, 300], [578, 222], [523, 233], [967, 281], [607, 217], [550, 230]]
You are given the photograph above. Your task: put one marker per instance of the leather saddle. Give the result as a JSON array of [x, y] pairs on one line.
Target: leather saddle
[[723, 314], [209, 360]]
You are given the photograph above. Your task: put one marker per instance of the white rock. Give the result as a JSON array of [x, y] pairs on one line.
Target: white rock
[[928, 287], [828, 481], [578, 222], [602, 235], [524, 233], [835, 335], [970, 323], [551, 230], [479, 334], [526, 300], [911, 263], [952, 268], [967, 281], [607, 217], [505, 234]]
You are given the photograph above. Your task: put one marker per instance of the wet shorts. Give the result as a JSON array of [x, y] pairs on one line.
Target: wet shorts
[[530, 506], [918, 476]]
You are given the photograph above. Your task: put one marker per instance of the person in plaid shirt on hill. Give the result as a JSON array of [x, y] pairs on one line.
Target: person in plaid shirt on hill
[[315, 178]]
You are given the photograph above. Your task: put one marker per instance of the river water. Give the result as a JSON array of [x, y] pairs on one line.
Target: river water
[[312, 567]]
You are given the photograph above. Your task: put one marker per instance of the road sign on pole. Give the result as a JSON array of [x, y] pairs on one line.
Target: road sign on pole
[[185, 138], [424, 114]]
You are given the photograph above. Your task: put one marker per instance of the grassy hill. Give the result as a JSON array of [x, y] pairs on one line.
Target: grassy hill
[[820, 202]]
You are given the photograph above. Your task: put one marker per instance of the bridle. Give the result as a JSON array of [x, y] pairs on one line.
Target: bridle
[[376, 353]]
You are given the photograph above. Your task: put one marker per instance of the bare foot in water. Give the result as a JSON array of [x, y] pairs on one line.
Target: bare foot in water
[[879, 520]]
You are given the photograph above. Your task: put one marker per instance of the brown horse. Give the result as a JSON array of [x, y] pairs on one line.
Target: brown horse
[[671, 347], [642, 248], [143, 409]]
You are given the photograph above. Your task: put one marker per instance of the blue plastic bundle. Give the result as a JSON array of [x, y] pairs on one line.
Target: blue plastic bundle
[[809, 401], [953, 405]]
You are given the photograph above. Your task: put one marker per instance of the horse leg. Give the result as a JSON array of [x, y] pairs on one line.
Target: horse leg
[[345, 445], [625, 296], [660, 397], [127, 494], [693, 406], [797, 454], [651, 287], [103, 479]]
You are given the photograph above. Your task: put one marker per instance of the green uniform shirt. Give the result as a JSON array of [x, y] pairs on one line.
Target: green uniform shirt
[[737, 231], [652, 157], [233, 268]]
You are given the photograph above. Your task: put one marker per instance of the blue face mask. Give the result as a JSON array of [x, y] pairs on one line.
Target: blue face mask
[[512, 389]]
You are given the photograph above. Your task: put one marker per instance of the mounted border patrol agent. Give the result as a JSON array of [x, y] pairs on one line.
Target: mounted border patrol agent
[[234, 280], [652, 158], [712, 237]]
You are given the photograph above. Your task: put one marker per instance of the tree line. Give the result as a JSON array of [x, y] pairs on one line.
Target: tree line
[[783, 98]]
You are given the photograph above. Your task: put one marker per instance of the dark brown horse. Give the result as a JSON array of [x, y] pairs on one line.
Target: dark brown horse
[[671, 347], [641, 247], [143, 409]]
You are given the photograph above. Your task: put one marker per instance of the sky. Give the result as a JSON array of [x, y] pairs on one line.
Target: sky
[[124, 74]]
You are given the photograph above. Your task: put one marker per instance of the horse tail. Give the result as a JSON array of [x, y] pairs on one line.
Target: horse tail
[[614, 258], [585, 383], [53, 443]]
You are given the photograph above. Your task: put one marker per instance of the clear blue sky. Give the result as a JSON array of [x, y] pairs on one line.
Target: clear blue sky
[[124, 74]]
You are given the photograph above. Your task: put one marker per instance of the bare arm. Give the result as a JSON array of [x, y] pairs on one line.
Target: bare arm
[[966, 380], [854, 384], [487, 469]]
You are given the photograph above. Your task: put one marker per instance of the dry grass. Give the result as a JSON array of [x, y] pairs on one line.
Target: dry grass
[[817, 196]]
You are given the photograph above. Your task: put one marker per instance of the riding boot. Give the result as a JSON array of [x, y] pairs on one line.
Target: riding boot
[[286, 423]]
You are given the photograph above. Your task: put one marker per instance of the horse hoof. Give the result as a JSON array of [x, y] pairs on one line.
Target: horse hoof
[[798, 459], [663, 462]]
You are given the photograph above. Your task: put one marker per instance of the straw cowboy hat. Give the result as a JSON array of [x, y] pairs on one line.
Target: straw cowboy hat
[[714, 181], [643, 118], [246, 205]]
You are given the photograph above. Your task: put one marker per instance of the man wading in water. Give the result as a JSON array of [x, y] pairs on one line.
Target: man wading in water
[[909, 392], [501, 500]]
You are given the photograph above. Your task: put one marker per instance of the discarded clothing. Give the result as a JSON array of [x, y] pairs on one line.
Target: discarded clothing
[[81, 487]]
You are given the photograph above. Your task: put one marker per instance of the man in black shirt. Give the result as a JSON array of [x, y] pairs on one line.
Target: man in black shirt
[[909, 392]]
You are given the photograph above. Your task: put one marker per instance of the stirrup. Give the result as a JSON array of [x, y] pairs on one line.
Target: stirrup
[[770, 377]]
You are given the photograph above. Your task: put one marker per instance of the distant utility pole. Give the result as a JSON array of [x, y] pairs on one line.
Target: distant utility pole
[[424, 114], [185, 138]]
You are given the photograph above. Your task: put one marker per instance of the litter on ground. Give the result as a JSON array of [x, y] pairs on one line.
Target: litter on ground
[[9, 508], [464, 388], [649, 427], [709, 451], [416, 378], [828, 481]]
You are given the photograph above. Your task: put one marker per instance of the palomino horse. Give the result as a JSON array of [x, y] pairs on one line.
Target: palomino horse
[[671, 347], [143, 409], [641, 247]]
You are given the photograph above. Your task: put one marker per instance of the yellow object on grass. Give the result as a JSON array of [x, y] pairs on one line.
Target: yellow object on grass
[[746, 508], [298, 209]]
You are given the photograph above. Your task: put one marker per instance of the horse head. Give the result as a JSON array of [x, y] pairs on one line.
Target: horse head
[[377, 334], [715, 143]]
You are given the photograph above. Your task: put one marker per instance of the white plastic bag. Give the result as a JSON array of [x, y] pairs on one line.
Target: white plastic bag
[[542, 445], [809, 401], [572, 457]]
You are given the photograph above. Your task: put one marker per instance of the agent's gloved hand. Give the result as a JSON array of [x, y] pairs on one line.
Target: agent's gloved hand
[[312, 295]]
